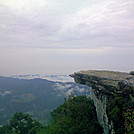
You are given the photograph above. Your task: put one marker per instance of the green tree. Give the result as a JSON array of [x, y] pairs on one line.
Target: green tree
[[21, 124], [6, 129], [76, 116]]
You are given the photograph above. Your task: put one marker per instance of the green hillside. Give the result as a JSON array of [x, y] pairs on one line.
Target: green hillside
[[76, 115], [37, 97]]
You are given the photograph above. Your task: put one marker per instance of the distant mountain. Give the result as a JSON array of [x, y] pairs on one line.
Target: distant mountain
[[60, 78], [35, 96]]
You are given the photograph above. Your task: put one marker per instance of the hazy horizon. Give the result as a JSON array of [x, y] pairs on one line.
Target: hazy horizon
[[62, 37]]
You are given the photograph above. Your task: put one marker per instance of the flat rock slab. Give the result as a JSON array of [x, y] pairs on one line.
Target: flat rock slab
[[110, 78]]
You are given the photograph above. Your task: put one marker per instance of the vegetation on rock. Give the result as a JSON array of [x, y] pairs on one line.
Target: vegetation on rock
[[113, 93], [122, 115]]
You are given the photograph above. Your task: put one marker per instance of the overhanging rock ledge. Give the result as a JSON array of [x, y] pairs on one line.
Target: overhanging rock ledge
[[107, 86]]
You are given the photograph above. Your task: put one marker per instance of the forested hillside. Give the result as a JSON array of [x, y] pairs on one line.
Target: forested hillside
[[76, 115], [37, 97]]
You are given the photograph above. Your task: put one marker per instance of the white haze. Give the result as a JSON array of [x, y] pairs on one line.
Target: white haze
[[61, 37]]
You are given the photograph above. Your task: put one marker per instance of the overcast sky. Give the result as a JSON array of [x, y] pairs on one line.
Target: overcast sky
[[63, 36]]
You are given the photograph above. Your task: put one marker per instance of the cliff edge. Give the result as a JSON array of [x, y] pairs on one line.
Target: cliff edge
[[113, 95]]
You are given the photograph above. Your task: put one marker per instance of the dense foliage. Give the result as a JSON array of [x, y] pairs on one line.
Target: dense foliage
[[76, 116], [121, 112], [21, 124]]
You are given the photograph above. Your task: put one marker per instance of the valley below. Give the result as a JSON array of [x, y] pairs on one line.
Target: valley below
[[35, 96]]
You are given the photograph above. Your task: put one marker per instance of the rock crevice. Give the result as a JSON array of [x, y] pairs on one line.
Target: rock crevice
[[110, 91]]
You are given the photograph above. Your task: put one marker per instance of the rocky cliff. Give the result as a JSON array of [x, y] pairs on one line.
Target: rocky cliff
[[113, 95]]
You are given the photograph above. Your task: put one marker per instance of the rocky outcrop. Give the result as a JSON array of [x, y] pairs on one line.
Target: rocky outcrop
[[113, 95]]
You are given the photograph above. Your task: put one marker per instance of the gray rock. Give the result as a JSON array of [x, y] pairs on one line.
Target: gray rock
[[104, 85], [132, 72]]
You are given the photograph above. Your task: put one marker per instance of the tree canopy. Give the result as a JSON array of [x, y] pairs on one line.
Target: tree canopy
[[21, 124], [76, 116]]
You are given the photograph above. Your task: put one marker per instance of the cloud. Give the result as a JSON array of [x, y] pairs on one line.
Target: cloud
[[62, 87], [67, 89], [5, 93], [66, 24], [60, 78], [101, 25]]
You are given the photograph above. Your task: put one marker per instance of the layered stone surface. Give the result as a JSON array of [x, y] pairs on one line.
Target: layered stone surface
[[106, 85]]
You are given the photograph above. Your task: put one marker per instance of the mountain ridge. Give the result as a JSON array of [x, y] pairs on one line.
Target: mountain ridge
[[37, 97]]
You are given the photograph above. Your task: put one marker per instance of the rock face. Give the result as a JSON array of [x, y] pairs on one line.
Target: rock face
[[113, 95]]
